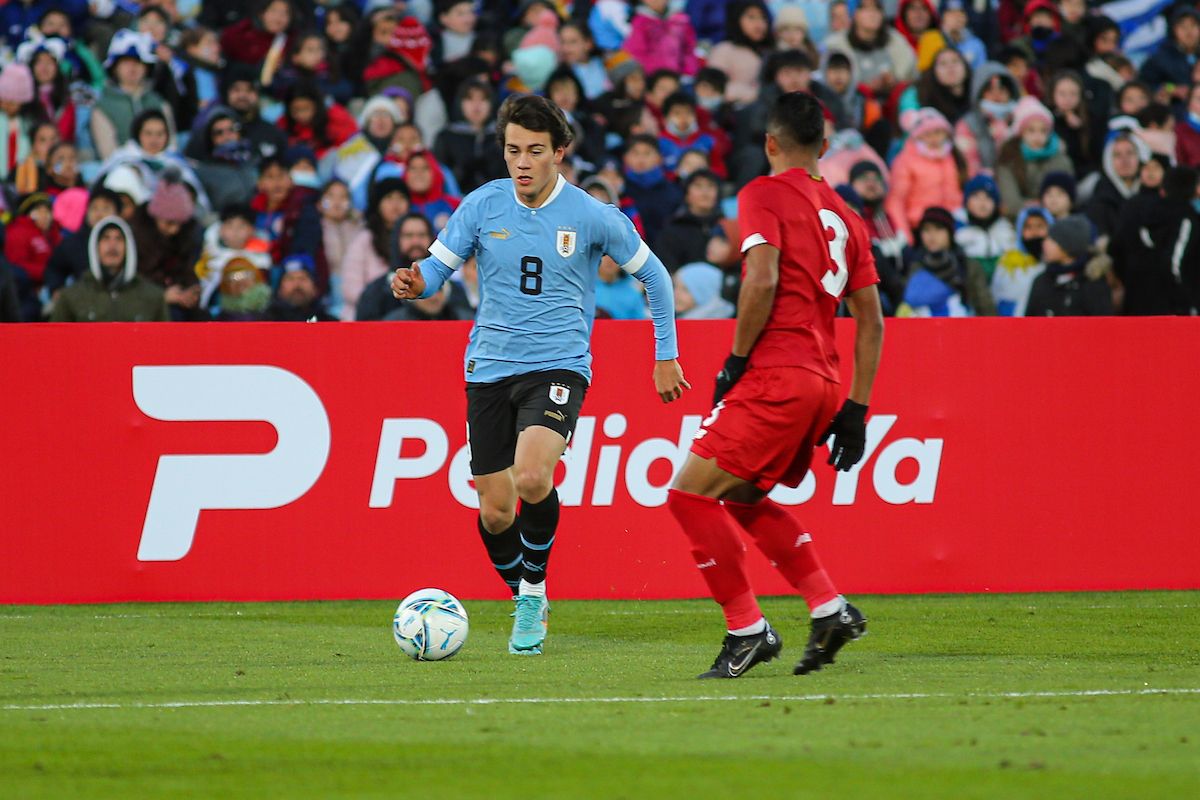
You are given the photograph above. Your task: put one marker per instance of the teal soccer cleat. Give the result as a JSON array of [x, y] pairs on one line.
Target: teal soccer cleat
[[529, 625]]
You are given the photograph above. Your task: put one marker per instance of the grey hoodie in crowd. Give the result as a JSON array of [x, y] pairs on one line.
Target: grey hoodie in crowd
[[123, 297]]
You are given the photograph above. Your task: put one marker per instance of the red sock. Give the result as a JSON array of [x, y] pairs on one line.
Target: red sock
[[718, 551], [788, 546]]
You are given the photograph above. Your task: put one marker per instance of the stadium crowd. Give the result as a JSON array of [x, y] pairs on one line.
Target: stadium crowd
[[275, 159]]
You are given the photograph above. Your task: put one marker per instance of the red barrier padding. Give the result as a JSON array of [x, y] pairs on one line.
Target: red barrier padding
[[265, 462]]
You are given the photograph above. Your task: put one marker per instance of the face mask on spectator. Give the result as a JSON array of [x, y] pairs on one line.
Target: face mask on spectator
[[997, 110], [1034, 247], [309, 180], [709, 103]]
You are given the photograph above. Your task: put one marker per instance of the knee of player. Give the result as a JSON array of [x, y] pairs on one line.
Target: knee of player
[[497, 519], [533, 485]]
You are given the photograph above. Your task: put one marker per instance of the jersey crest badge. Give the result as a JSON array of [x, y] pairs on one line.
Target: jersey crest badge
[[565, 243], [560, 394]]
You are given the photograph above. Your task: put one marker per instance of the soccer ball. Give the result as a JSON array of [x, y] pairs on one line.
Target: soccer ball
[[430, 625]]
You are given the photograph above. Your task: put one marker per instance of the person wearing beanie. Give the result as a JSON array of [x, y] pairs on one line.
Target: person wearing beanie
[[925, 173], [1065, 289], [126, 93], [16, 128], [1057, 194], [111, 290], [1032, 151], [661, 38], [297, 297], [792, 32], [1019, 266], [987, 234], [168, 239], [942, 281]]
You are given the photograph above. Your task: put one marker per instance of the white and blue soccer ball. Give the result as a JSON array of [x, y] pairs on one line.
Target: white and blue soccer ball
[[430, 625]]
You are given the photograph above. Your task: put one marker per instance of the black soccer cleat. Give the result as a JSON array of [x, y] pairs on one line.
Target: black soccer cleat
[[830, 634], [740, 653]]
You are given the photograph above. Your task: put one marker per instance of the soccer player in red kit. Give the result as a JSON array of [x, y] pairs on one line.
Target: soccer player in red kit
[[777, 394]]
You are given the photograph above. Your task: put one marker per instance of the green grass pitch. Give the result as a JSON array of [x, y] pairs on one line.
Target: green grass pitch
[[1000, 696]]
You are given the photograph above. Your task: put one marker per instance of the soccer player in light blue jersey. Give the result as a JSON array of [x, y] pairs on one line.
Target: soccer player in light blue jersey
[[538, 242]]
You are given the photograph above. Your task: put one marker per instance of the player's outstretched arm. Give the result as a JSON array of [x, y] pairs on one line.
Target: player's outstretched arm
[[407, 282], [849, 426], [668, 375]]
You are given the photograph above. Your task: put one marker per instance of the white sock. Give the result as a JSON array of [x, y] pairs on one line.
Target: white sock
[[751, 629], [834, 606], [532, 589]]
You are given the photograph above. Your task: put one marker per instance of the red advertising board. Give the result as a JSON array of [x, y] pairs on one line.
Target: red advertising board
[[262, 462]]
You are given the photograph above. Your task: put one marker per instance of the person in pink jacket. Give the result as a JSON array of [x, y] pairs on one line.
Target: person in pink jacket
[[660, 39], [926, 173]]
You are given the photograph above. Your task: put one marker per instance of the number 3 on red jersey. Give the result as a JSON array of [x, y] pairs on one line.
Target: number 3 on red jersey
[[834, 280]]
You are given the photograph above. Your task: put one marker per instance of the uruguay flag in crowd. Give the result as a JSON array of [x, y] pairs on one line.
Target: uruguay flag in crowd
[[1143, 26]]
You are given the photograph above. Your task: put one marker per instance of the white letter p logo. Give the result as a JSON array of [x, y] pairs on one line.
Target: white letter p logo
[[185, 484]]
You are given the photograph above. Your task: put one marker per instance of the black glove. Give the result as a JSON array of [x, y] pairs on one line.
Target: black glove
[[849, 432], [735, 367]]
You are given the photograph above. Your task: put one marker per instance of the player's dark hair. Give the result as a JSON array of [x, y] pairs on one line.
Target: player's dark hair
[[797, 119], [534, 113], [678, 99]]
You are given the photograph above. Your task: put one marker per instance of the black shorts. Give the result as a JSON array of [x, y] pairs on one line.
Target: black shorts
[[497, 412]]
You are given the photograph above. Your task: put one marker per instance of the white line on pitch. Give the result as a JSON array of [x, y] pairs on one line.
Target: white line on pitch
[[487, 701]]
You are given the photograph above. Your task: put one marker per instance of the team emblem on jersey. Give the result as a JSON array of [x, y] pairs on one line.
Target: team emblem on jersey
[[560, 394], [565, 244]]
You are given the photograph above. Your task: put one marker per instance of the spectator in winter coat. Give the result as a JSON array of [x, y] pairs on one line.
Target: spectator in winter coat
[[241, 93], [413, 235], [30, 239], [70, 259], [987, 235], [566, 92], [340, 223], [855, 107], [1065, 289], [1170, 68], [698, 293], [914, 18], [1156, 248], [945, 86], [112, 290], [224, 162], [269, 27], [45, 57], [662, 39], [297, 298], [1031, 152], [127, 92], [682, 132], [869, 182], [1018, 268], [390, 49], [647, 184], [579, 53], [882, 58], [369, 254], [926, 173], [953, 32], [697, 232], [1187, 131], [988, 125], [427, 189], [16, 127], [847, 148], [229, 240], [307, 120], [942, 282], [168, 242], [1120, 180], [1082, 135], [748, 40], [468, 144], [1057, 194]]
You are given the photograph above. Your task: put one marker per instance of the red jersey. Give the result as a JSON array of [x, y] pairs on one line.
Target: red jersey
[[823, 253]]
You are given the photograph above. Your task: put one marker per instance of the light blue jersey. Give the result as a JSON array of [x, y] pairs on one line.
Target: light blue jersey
[[537, 278]]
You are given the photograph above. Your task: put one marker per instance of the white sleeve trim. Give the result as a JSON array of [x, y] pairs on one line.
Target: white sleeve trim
[[639, 258], [444, 254], [753, 240]]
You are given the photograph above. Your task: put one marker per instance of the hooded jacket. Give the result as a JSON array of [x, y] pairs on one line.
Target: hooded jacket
[[1111, 192], [978, 134], [124, 297], [228, 177], [1016, 270]]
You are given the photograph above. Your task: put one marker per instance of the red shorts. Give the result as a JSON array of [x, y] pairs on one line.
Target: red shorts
[[765, 428]]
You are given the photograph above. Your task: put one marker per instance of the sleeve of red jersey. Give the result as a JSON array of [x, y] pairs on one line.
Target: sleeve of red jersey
[[757, 221], [862, 261]]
